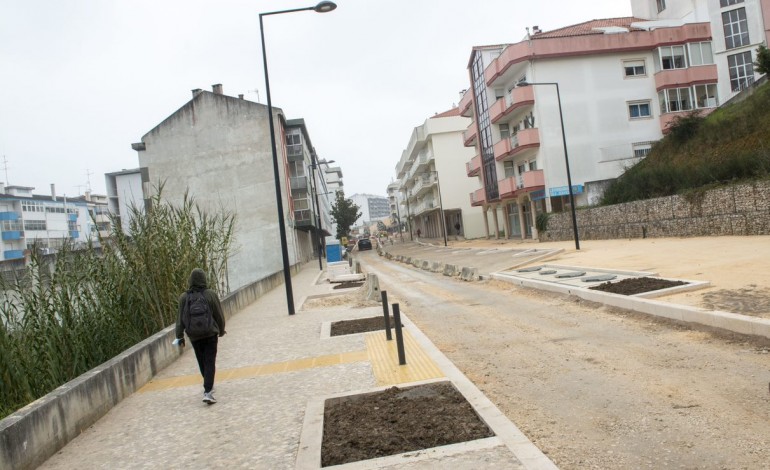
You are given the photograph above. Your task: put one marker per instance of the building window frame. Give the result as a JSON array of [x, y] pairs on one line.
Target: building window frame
[[736, 28], [672, 57], [700, 53], [673, 100], [661, 5], [634, 68], [639, 109], [741, 70], [727, 3], [705, 95], [641, 149]]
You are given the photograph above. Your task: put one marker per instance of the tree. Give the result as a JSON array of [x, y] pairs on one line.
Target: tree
[[345, 213], [763, 60]]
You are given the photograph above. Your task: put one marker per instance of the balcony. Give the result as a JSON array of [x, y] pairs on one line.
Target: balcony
[[470, 135], [13, 235], [74, 234], [517, 144], [424, 183], [473, 167], [13, 254], [465, 104], [478, 197], [423, 158], [525, 183], [303, 219], [685, 77], [298, 182], [294, 153], [9, 216], [503, 109], [500, 67]]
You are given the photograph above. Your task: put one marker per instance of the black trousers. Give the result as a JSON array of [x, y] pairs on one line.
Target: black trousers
[[206, 353]]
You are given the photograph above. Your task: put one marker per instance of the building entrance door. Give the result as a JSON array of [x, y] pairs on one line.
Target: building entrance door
[[513, 220], [527, 213]]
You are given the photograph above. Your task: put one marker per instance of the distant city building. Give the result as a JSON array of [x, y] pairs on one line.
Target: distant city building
[[432, 179], [46, 222], [373, 208], [124, 193], [217, 148]]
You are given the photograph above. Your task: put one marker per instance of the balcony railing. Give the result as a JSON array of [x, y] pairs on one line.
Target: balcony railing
[[524, 183], [473, 167], [503, 109], [514, 145], [478, 197], [465, 103], [469, 136], [295, 152], [298, 182]]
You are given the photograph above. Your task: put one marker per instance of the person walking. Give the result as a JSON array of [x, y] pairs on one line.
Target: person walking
[[200, 316]]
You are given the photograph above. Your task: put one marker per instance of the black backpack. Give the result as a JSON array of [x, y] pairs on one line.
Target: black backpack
[[197, 317]]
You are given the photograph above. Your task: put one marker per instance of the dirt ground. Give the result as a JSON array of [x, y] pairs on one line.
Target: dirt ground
[[738, 268], [602, 388], [361, 325], [636, 285], [395, 421]]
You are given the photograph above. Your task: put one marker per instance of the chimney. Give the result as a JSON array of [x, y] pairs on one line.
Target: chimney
[[53, 191], [240, 97], [217, 89], [536, 30], [196, 92], [2, 188], [88, 196]]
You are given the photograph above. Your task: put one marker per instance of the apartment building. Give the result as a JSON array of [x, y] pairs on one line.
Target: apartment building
[[217, 148], [373, 209], [593, 97], [124, 195], [434, 161], [47, 222]]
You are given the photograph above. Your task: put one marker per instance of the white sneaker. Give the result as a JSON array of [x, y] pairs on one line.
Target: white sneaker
[[209, 398]]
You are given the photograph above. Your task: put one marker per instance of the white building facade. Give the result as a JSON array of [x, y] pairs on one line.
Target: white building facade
[[614, 84], [433, 181], [373, 209], [124, 193]]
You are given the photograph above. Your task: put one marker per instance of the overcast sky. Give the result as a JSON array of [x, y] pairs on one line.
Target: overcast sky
[[81, 80]]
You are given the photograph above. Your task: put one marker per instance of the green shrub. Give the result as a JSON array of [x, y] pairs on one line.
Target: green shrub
[[541, 221], [65, 314]]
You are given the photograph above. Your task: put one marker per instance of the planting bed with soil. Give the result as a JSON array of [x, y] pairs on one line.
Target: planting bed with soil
[[395, 421], [360, 325], [636, 285]]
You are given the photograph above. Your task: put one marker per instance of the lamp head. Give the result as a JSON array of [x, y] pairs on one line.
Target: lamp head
[[325, 7]]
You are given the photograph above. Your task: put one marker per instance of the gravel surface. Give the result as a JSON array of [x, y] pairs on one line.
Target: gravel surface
[[596, 387]]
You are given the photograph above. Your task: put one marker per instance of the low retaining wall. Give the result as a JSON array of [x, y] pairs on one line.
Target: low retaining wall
[[734, 210], [34, 433]]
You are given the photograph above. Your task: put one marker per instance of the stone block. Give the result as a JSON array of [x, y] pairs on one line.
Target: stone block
[[469, 274], [719, 201], [450, 270]]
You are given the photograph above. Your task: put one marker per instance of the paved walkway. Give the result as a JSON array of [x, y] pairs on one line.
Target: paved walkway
[[274, 372]]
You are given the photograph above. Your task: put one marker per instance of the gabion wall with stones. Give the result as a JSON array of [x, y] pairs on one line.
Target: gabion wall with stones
[[734, 210]]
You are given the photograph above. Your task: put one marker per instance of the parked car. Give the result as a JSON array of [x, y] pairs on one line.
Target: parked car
[[364, 244]]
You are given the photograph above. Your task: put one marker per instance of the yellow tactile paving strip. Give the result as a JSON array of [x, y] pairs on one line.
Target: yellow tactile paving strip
[[383, 356], [254, 371]]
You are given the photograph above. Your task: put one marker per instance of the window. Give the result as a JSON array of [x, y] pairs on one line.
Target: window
[[639, 109], [34, 225], [533, 165], [32, 206], [736, 28], [72, 225], [672, 57], [634, 68], [509, 171], [505, 131], [706, 96], [727, 3], [54, 209], [741, 70], [661, 5], [700, 53], [522, 168], [641, 149], [11, 225], [675, 99]]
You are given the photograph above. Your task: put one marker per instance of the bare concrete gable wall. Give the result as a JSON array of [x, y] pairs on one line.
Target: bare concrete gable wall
[[735, 210]]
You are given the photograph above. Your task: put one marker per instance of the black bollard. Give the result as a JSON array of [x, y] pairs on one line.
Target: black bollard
[[399, 336], [387, 314]]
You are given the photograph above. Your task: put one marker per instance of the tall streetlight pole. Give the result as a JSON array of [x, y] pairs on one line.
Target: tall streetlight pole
[[566, 159], [441, 206], [408, 216], [322, 7]]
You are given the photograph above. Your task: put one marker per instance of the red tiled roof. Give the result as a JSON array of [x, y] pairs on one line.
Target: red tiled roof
[[451, 112], [587, 28]]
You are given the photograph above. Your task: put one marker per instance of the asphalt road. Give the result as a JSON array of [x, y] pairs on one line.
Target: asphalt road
[[591, 386]]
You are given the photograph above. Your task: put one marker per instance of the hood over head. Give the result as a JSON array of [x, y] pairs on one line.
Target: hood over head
[[197, 279]]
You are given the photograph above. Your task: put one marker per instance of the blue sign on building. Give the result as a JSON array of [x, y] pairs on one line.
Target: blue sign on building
[[537, 195], [564, 190]]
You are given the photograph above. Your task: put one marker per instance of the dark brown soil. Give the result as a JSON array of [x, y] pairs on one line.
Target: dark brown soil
[[361, 325], [636, 285], [348, 285], [395, 421]]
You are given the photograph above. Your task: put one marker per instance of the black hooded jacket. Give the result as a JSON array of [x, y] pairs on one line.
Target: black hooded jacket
[[197, 282]]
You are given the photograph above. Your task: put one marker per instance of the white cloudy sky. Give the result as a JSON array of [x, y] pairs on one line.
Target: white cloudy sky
[[80, 80]]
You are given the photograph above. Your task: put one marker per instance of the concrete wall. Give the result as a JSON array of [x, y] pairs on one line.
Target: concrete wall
[[34, 433], [734, 210], [218, 148]]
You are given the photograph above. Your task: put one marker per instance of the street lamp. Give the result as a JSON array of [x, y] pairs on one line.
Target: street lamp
[[441, 206], [314, 166], [321, 7], [566, 158]]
